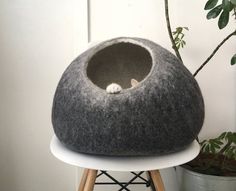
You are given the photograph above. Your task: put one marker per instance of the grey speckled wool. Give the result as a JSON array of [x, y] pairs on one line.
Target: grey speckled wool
[[163, 113]]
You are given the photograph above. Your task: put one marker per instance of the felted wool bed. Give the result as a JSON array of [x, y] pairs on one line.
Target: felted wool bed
[[163, 113]]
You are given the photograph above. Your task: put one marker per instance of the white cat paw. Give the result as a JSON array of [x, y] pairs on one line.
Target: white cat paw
[[113, 88]]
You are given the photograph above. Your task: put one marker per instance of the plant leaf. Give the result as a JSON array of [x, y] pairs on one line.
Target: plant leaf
[[227, 5], [233, 2], [229, 136], [213, 149], [232, 137], [178, 46], [215, 145], [179, 29], [224, 19], [207, 149], [218, 142], [203, 147], [222, 136], [210, 4], [214, 12], [233, 60]]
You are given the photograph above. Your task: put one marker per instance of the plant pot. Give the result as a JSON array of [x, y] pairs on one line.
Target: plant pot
[[163, 113], [193, 181]]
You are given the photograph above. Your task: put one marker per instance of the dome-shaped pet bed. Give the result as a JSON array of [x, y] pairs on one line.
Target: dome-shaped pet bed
[[162, 113]]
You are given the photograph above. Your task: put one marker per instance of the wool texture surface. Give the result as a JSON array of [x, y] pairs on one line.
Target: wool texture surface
[[163, 113]]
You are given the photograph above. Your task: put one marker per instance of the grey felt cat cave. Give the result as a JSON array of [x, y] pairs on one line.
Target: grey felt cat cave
[[163, 113]]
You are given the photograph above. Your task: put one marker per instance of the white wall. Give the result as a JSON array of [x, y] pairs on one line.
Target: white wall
[[38, 39], [36, 45]]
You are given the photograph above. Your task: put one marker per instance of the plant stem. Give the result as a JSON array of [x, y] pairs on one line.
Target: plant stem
[[225, 148], [214, 52], [170, 31]]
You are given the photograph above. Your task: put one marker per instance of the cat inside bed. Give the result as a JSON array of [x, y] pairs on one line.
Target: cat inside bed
[[115, 88]]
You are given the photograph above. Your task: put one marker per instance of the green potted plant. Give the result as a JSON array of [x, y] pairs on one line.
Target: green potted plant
[[218, 156], [215, 167]]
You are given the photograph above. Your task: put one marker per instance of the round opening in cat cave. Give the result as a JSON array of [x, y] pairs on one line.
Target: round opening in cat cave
[[119, 63]]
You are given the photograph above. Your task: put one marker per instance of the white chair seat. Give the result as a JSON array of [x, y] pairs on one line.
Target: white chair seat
[[141, 163]]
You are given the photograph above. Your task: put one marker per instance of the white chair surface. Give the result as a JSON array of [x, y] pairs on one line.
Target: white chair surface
[[140, 163]]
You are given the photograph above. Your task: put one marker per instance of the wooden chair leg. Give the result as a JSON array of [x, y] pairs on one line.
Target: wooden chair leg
[[151, 182], [83, 180], [157, 180], [91, 178]]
